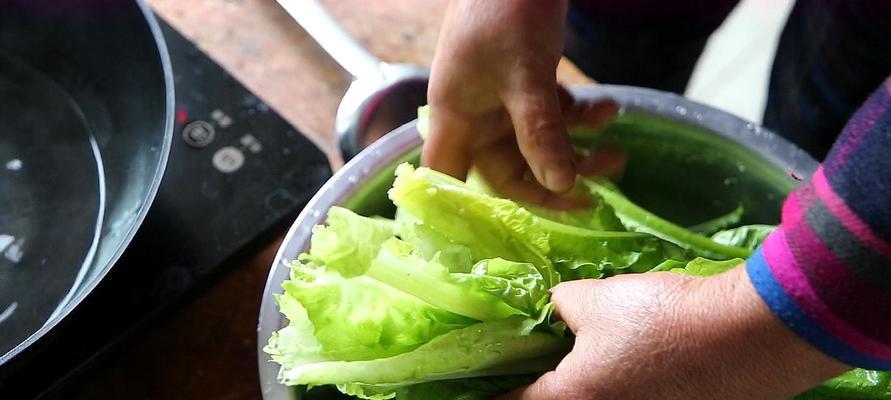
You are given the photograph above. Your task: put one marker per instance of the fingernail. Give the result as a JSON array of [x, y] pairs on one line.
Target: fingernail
[[558, 179]]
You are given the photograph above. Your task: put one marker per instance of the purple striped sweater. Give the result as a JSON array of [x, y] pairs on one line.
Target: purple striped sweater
[[826, 271]]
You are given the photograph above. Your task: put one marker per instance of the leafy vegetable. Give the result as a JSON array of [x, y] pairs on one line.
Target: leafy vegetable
[[637, 219], [450, 300], [355, 319], [748, 236], [505, 347], [856, 384], [600, 216], [723, 222], [463, 389], [490, 227], [704, 267], [423, 121], [429, 243], [354, 245]]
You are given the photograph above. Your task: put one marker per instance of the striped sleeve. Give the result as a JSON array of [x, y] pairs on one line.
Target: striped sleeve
[[826, 271]]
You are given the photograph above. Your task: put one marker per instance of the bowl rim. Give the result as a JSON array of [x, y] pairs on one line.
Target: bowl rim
[[344, 183]]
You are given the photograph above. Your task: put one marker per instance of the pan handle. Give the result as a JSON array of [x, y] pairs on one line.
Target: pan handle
[[333, 39]]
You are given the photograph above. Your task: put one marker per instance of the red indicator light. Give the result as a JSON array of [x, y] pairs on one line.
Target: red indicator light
[[181, 116]]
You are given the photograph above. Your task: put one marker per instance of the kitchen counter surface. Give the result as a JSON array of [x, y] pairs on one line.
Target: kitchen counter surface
[[207, 349]]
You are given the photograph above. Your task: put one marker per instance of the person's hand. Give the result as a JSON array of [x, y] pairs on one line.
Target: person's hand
[[668, 336], [496, 105]]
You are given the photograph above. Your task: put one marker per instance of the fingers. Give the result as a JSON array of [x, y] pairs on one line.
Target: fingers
[[448, 146], [603, 162], [504, 168], [573, 301], [606, 161], [546, 387], [595, 114], [541, 133], [569, 381]]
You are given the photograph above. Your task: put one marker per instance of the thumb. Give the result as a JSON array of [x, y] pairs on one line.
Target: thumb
[[447, 148], [546, 387], [574, 301], [534, 110]]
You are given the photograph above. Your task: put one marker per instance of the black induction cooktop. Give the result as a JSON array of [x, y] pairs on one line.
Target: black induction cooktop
[[237, 176]]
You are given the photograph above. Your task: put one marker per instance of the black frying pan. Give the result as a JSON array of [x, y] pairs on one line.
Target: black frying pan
[[86, 103]]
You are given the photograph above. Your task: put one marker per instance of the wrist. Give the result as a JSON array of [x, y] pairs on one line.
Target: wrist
[[744, 347]]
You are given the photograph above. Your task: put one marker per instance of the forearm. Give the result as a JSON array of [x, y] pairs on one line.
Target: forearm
[[738, 349], [826, 272]]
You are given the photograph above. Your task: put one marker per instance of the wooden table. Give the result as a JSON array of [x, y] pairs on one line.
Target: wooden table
[[207, 350]]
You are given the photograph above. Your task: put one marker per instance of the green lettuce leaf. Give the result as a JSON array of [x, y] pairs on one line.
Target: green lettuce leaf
[[463, 389], [423, 125], [353, 246], [600, 216], [747, 236], [337, 318], [490, 227], [855, 384], [581, 253], [637, 219], [508, 346], [348, 242], [723, 222], [429, 243], [704, 267]]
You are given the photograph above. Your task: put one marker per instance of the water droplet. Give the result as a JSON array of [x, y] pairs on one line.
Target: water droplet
[[5, 241], [14, 252], [14, 164], [431, 191], [316, 213], [352, 179], [6, 313], [750, 126], [741, 168], [681, 110], [697, 116]]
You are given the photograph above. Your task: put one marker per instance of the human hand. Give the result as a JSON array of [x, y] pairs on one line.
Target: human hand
[[669, 336], [496, 105]]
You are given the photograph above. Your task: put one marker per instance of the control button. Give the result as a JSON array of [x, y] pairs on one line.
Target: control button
[[221, 118], [251, 143], [198, 134], [228, 159], [248, 139]]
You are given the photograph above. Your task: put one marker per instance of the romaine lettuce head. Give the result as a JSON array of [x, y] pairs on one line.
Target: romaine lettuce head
[[510, 346], [490, 227], [450, 300]]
